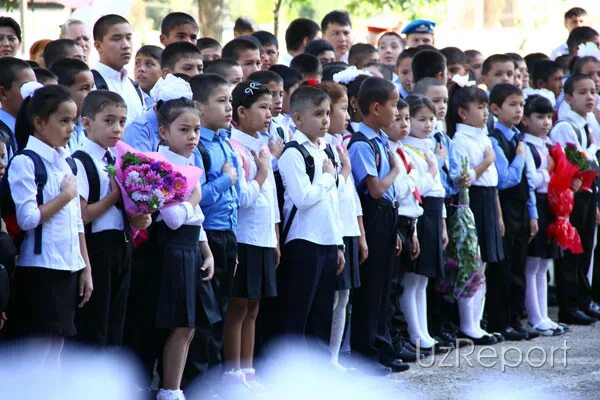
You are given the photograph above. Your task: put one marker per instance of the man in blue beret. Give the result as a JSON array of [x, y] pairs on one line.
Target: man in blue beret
[[419, 32]]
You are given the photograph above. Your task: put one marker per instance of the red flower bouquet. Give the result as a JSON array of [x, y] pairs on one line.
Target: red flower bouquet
[[560, 201], [586, 173]]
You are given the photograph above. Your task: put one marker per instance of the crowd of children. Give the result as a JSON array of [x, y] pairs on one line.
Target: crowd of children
[[330, 176]]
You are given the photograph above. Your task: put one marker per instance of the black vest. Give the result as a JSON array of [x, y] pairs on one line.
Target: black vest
[[521, 190]]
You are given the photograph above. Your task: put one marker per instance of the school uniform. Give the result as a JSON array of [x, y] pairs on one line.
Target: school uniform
[[518, 204], [77, 136], [439, 137], [7, 129], [142, 133], [46, 284], [101, 321], [349, 211], [119, 82], [371, 302], [471, 143], [257, 216], [177, 294], [430, 225], [537, 162], [572, 284], [311, 244]]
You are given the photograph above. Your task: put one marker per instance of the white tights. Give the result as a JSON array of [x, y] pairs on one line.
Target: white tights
[[536, 299], [337, 324], [414, 307]]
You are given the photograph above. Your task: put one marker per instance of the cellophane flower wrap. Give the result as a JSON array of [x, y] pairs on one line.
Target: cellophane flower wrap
[[148, 182], [586, 169], [560, 202], [464, 269]]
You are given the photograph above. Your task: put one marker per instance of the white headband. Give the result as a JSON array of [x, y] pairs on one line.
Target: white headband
[[588, 49], [463, 80], [349, 74], [28, 88], [169, 88]]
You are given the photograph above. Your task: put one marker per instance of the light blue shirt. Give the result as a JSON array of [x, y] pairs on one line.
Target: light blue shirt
[[220, 199], [363, 160], [77, 136], [446, 166], [509, 174], [9, 121], [142, 133]]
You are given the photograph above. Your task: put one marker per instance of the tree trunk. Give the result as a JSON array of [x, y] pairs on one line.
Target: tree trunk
[[276, 17], [210, 18]]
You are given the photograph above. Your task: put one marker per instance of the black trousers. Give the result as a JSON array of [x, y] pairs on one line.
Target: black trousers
[[207, 345], [101, 321], [370, 334], [596, 273], [308, 288], [505, 279], [573, 287]]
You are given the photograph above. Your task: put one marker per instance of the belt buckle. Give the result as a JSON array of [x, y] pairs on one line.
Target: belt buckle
[[395, 204]]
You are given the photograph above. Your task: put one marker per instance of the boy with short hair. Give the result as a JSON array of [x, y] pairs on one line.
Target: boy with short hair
[[506, 288], [245, 53], [474, 62], [77, 77], [456, 61], [107, 235], [574, 291], [308, 65], [227, 68], [298, 34], [429, 64], [573, 18], [361, 54], [181, 58], [178, 27], [496, 69], [337, 30], [374, 169], [582, 35], [321, 49], [549, 75], [45, 76], [14, 72], [405, 80], [389, 46], [62, 48], [291, 82], [210, 49], [269, 48], [311, 257], [112, 39], [243, 26]]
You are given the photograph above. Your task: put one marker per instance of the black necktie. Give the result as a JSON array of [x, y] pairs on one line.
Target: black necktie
[[110, 159], [588, 136]]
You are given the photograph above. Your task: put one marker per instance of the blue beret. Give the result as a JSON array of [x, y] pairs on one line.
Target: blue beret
[[419, 26]]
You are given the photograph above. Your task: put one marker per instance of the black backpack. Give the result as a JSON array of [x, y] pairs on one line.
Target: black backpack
[[309, 163], [8, 205], [93, 181], [101, 84], [360, 137]]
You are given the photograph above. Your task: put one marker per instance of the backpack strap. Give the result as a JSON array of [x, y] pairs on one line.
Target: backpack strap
[[7, 135], [280, 132], [205, 158], [535, 154], [331, 156], [309, 163], [93, 181], [41, 178], [360, 137], [99, 81], [138, 90]]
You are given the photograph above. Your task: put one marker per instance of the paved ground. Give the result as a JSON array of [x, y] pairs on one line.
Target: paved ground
[[575, 377]]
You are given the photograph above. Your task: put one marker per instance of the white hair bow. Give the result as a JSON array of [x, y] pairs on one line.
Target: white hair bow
[[540, 92], [28, 88], [349, 74], [588, 49], [169, 88], [463, 80]]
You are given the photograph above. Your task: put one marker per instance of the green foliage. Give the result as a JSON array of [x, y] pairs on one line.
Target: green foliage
[[410, 8], [9, 5]]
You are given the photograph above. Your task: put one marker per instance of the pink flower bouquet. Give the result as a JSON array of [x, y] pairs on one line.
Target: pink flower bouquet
[[148, 182]]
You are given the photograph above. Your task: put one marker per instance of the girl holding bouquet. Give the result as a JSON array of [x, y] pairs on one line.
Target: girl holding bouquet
[[183, 257], [537, 122], [466, 119], [257, 230]]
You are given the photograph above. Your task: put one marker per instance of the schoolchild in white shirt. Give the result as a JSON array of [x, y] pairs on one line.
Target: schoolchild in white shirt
[[53, 275]]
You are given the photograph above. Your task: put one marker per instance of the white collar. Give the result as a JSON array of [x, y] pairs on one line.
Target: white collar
[[577, 119], [470, 131], [423, 145], [536, 141], [93, 149], [43, 150], [334, 139], [111, 73], [253, 143], [175, 158], [301, 138]]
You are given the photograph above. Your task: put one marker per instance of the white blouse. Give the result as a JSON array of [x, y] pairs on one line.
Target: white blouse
[[472, 142], [541, 177]]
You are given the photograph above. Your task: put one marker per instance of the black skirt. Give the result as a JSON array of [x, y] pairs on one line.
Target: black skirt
[[485, 211], [406, 231], [177, 266], [255, 274], [45, 302], [540, 246], [350, 276], [429, 231]]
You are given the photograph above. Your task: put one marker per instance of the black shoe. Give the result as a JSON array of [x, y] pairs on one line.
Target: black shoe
[[402, 352], [522, 329], [511, 335], [591, 311], [576, 317], [396, 365], [485, 340], [498, 336]]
